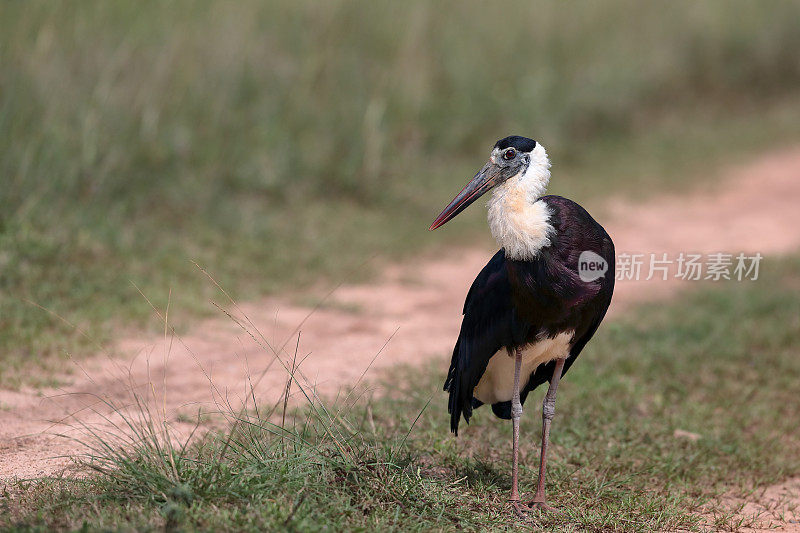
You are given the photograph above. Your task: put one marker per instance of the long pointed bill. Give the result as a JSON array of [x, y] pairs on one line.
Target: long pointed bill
[[483, 181]]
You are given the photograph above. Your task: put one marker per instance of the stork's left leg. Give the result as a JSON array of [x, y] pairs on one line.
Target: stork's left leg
[[548, 412]]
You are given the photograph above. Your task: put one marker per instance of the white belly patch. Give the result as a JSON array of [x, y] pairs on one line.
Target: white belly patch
[[497, 382]]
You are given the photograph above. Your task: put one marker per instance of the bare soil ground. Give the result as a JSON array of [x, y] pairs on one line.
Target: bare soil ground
[[775, 508], [411, 315]]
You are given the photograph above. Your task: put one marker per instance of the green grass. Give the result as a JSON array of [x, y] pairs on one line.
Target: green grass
[[285, 143], [720, 363]]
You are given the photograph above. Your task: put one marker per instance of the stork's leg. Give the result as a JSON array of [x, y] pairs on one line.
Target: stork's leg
[[548, 412], [516, 414]]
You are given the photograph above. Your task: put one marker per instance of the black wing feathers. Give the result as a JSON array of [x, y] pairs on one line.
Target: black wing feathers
[[489, 324]]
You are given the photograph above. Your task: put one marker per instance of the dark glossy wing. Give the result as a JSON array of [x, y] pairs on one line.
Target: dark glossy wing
[[544, 372], [490, 323], [577, 231]]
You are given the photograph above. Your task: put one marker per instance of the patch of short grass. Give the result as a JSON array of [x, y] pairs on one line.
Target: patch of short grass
[[279, 144], [719, 365]]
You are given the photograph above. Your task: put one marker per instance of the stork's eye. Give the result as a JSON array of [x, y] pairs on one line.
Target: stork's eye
[[509, 154]]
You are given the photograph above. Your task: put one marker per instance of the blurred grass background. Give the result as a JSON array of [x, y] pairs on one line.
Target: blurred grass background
[[282, 143]]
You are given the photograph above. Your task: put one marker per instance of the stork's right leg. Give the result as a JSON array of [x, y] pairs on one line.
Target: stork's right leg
[[548, 411], [516, 414]]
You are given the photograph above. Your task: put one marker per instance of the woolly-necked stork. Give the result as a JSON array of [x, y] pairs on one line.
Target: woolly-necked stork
[[533, 307]]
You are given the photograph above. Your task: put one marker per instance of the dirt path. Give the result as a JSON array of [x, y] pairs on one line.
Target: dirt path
[[773, 508], [415, 307]]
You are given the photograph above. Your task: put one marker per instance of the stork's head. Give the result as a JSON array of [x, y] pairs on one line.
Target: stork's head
[[516, 161]]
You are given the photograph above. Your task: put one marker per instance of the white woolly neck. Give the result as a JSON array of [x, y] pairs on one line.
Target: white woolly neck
[[517, 219]]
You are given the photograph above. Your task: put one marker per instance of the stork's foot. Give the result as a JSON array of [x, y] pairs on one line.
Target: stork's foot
[[519, 508], [522, 508], [537, 504]]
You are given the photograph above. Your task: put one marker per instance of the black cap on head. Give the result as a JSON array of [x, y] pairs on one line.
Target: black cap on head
[[522, 144]]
